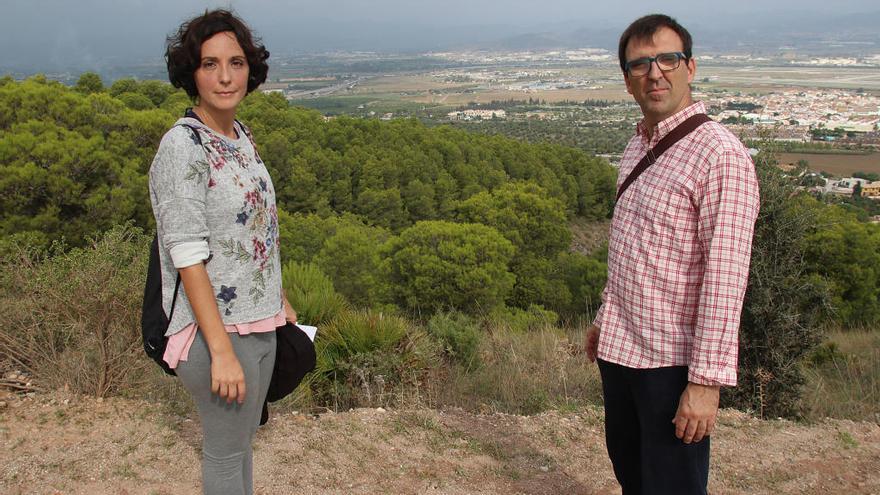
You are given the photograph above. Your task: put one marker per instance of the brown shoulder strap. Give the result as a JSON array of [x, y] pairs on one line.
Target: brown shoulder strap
[[680, 131]]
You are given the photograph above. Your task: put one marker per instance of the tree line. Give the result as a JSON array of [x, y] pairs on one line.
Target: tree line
[[473, 212]]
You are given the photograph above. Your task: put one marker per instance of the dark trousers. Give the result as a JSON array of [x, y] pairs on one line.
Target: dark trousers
[[646, 455]]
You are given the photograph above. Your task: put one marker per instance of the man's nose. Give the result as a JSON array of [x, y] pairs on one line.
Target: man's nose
[[654, 71]]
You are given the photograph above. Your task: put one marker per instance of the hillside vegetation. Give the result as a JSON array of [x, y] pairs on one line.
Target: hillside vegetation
[[438, 263]]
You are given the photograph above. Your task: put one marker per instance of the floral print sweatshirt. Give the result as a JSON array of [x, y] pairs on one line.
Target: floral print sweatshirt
[[208, 188]]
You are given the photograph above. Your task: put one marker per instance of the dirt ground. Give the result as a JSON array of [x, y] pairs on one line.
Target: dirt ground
[[837, 164], [57, 443]]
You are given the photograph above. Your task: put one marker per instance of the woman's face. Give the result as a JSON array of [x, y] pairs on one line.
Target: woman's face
[[222, 76]]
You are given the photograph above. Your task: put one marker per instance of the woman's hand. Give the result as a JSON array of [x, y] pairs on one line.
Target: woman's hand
[[227, 377]]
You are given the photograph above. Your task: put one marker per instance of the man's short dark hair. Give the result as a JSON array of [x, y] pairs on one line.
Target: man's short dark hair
[[183, 53], [644, 28]]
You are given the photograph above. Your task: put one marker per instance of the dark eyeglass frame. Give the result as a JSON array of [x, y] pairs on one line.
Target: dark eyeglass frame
[[679, 56]]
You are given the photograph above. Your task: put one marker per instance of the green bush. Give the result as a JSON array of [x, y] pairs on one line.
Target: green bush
[[535, 317], [458, 334], [783, 304], [351, 258], [136, 101], [585, 277], [536, 224], [846, 252], [440, 265], [366, 358], [311, 293]]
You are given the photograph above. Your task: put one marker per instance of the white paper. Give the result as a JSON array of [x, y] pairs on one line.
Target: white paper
[[309, 330]]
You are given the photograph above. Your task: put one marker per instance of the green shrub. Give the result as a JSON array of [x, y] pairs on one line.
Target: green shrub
[[437, 265], [846, 252], [351, 258], [367, 358], [522, 320], [828, 352], [33, 242], [72, 319], [459, 335], [585, 277], [136, 101], [783, 304], [311, 293]]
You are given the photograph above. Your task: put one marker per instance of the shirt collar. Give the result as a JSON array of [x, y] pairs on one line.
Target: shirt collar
[[665, 126]]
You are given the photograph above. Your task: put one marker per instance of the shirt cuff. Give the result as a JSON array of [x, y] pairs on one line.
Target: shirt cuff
[[724, 377], [599, 314], [189, 253]]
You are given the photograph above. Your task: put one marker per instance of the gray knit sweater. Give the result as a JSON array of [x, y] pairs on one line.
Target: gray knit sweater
[[219, 192]]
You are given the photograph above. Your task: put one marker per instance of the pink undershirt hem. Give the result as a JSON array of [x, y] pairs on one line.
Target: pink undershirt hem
[[179, 344]]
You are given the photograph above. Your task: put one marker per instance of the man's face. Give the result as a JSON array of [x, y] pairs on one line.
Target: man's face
[[660, 94]]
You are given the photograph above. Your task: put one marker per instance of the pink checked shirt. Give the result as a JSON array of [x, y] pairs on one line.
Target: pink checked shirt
[[678, 256]]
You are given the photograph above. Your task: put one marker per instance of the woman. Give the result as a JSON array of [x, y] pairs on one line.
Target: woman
[[218, 228]]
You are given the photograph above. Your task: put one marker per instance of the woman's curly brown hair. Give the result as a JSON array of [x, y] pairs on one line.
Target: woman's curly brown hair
[[183, 49]]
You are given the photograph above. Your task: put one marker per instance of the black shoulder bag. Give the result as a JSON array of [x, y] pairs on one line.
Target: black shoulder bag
[[154, 322]]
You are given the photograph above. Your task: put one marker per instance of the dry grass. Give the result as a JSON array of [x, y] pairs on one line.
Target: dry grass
[[524, 373], [72, 320], [845, 383]]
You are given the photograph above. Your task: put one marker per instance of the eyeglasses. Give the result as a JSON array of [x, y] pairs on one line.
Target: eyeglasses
[[665, 62]]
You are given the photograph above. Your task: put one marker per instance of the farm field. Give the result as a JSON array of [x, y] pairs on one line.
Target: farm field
[[840, 165], [766, 79]]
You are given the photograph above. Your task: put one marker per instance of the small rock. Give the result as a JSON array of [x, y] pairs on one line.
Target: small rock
[[380, 409], [545, 469], [65, 401], [100, 400], [2, 404]]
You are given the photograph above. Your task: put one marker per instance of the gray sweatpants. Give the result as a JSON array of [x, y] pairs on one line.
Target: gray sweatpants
[[228, 429]]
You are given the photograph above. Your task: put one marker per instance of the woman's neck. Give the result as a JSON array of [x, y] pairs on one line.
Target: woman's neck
[[224, 122]]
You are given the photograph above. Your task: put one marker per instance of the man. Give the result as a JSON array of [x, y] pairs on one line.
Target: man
[[678, 258]]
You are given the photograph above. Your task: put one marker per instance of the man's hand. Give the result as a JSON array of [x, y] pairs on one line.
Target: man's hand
[[697, 410], [227, 377], [591, 343]]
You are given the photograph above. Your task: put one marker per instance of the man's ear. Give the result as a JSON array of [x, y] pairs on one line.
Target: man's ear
[[626, 81], [692, 69]]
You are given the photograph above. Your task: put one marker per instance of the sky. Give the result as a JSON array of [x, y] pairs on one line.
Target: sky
[[86, 34]]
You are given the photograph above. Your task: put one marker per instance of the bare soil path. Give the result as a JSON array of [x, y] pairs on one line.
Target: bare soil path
[[56, 443]]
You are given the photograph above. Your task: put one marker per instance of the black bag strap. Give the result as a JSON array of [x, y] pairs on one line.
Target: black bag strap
[[155, 249], [174, 298], [680, 131]]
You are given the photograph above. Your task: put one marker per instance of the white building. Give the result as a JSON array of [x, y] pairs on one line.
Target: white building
[[474, 114], [845, 186]]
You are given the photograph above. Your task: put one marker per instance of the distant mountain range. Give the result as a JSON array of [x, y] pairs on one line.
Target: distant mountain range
[[844, 35], [75, 50]]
